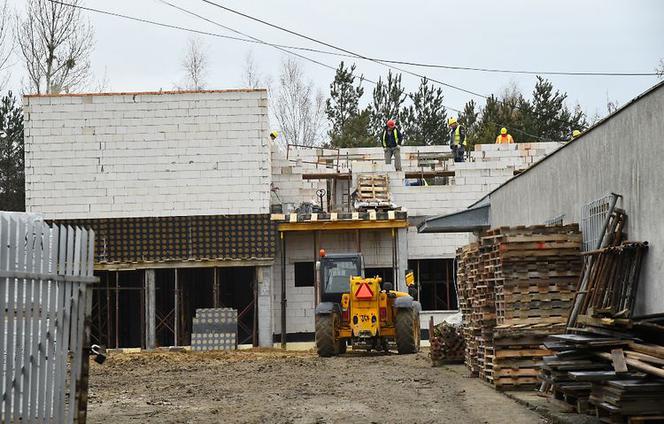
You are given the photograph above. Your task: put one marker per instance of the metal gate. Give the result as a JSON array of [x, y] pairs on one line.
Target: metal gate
[[45, 272]]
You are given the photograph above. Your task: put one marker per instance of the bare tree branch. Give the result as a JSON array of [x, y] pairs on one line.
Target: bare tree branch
[[298, 108], [660, 69], [55, 42], [6, 44], [195, 65]]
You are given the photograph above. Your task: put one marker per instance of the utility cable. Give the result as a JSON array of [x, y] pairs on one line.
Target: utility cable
[[255, 41], [306, 37]]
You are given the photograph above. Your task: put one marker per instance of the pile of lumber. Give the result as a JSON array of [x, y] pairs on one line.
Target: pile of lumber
[[373, 192], [447, 344], [618, 378], [516, 286]]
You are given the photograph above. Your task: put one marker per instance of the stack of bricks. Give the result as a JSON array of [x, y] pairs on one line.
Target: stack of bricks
[[214, 329], [522, 291]]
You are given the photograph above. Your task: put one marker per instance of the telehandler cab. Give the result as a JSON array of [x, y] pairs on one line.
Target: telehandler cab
[[357, 311]]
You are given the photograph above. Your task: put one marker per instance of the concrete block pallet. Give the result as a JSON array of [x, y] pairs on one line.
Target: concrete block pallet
[[214, 329]]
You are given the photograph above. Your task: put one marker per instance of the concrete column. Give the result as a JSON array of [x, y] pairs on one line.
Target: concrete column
[[402, 258], [265, 313], [150, 309]]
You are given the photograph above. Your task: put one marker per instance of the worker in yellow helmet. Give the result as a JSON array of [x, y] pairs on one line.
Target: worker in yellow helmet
[[274, 135], [504, 137], [457, 139], [575, 134]]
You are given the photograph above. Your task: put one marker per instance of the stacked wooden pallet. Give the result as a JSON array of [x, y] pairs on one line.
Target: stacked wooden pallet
[[373, 191], [467, 262], [516, 286]]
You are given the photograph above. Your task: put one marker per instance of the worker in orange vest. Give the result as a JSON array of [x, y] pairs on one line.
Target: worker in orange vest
[[504, 138]]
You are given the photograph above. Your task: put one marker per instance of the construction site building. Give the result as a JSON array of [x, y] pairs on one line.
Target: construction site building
[[195, 207]]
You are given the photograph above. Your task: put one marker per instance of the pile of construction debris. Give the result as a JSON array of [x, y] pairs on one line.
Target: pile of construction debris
[[516, 286], [447, 343], [609, 363]]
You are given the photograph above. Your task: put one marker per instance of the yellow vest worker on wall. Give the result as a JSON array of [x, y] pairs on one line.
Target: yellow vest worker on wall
[[504, 138], [391, 140], [457, 139]]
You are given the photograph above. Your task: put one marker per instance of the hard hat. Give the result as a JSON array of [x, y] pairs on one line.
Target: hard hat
[[451, 121], [390, 123], [503, 131], [576, 133], [274, 135]]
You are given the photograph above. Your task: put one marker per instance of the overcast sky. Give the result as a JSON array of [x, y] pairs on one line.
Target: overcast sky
[[562, 35]]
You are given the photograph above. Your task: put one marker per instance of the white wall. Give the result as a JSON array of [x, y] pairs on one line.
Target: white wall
[[147, 154], [623, 155]]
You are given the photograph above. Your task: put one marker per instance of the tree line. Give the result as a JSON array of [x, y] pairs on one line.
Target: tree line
[[422, 114], [54, 42]]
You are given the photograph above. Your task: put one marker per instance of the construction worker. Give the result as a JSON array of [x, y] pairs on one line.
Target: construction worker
[[504, 138], [391, 140], [575, 134], [274, 135], [457, 139]]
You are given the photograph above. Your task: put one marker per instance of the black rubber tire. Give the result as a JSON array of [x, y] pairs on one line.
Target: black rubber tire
[[407, 331], [326, 343], [341, 347]]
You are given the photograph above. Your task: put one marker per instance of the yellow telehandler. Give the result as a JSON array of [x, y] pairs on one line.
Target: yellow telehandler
[[364, 313]]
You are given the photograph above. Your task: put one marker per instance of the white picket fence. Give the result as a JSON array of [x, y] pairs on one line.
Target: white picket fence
[[45, 273]]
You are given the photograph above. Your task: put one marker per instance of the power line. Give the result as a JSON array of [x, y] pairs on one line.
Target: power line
[[306, 37], [258, 41]]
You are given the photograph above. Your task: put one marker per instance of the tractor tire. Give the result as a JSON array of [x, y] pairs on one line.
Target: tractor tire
[[326, 343], [407, 328], [341, 347]]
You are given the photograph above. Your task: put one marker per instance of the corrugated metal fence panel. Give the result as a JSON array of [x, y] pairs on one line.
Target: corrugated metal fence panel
[[45, 272]]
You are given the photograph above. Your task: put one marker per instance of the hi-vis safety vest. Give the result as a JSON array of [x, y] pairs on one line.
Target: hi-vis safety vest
[[457, 136], [396, 137], [504, 140]]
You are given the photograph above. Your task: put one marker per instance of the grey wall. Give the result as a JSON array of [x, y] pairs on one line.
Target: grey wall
[[624, 155]]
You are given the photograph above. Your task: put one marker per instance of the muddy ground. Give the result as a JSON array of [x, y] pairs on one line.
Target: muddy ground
[[292, 387]]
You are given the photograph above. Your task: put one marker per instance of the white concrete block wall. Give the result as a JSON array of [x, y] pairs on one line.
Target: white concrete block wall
[[491, 166], [147, 154]]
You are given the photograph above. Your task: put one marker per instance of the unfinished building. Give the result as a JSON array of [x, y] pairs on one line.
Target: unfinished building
[[194, 207]]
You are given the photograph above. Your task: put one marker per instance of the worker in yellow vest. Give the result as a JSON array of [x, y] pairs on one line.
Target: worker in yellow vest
[[391, 140], [504, 138], [457, 139]]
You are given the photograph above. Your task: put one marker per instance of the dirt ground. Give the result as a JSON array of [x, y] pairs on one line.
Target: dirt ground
[[292, 387]]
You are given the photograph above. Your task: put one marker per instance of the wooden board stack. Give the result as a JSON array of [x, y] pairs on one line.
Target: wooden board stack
[[516, 286], [373, 191], [616, 378]]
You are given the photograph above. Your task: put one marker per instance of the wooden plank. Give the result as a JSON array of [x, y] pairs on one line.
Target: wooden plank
[[30, 382], [653, 350], [639, 365], [645, 358], [6, 232], [500, 353], [618, 361], [49, 353], [20, 309], [355, 224]]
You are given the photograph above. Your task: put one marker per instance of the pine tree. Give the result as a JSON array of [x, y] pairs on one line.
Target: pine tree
[[355, 132], [469, 118], [344, 97], [388, 101], [12, 175], [426, 118], [349, 125], [548, 117]]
